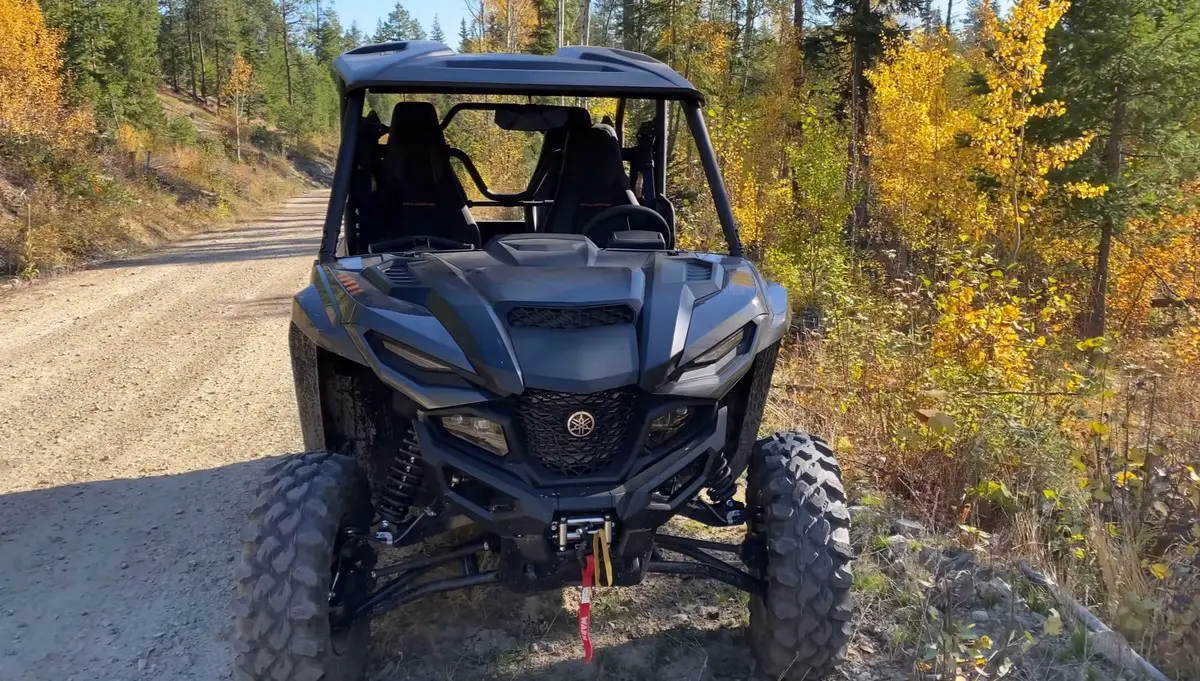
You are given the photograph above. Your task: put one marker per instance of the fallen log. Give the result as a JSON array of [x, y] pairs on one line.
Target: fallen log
[[1108, 643]]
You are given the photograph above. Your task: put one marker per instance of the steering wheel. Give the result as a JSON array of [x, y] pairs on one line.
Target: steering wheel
[[646, 214], [418, 243]]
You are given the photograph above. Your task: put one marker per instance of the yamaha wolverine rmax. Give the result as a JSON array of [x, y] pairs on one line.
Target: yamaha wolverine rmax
[[548, 391]]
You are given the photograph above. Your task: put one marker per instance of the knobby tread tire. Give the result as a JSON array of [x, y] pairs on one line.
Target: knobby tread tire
[[800, 629], [283, 630]]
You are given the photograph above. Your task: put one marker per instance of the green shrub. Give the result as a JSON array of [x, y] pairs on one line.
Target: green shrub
[[182, 130], [267, 140]]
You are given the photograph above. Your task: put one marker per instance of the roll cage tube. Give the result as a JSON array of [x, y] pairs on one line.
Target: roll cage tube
[[340, 192], [352, 119], [713, 172]]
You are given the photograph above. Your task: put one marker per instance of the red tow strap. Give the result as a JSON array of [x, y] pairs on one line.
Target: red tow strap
[[585, 607]]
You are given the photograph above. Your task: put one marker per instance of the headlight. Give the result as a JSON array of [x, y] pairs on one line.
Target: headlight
[[417, 359], [478, 431], [666, 427], [720, 350]]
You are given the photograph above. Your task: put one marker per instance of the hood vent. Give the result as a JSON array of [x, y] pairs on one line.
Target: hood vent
[[698, 271], [400, 274], [570, 317]]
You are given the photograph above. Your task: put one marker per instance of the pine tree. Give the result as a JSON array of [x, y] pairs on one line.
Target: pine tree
[[111, 49], [865, 26], [354, 37], [399, 25], [1128, 73], [464, 36], [544, 38], [435, 32]]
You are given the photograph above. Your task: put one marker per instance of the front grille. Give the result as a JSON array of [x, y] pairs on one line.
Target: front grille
[[543, 415], [570, 317]]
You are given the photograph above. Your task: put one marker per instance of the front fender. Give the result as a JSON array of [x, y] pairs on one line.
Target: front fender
[[315, 313]]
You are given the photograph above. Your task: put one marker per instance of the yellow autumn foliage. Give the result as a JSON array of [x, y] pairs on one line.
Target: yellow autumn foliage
[[915, 143], [32, 102]]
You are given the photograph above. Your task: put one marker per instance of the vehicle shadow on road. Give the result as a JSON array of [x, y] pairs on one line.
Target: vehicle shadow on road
[[664, 629], [111, 576]]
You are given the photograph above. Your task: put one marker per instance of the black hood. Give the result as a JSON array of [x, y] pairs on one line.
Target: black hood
[[553, 312]]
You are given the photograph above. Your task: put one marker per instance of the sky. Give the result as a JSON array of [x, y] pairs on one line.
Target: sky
[[368, 12]]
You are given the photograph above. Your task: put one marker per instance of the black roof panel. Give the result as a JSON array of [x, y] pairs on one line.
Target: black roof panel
[[427, 66]]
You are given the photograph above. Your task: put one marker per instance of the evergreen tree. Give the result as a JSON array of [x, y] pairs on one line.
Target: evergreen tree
[[544, 39], [464, 36], [110, 48], [399, 25], [354, 37], [435, 32], [864, 26], [1128, 73], [973, 23]]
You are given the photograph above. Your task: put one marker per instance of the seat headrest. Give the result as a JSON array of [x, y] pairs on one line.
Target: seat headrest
[[578, 117], [593, 153], [605, 129], [414, 115]]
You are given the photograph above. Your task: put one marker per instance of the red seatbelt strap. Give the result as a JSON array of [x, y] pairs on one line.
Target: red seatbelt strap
[[585, 607]]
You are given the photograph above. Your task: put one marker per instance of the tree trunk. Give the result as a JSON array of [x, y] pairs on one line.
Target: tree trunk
[[174, 53], [287, 60], [237, 124], [191, 57], [748, 40], [949, 14], [203, 71], [628, 28], [587, 22], [857, 176], [217, 74], [1097, 321]]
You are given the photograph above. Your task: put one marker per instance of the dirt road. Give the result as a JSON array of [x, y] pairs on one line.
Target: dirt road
[[139, 403]]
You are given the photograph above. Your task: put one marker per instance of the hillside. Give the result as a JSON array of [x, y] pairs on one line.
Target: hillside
[[138, 189]]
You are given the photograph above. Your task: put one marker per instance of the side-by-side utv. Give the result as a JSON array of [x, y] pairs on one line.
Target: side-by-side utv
[[530, 399]]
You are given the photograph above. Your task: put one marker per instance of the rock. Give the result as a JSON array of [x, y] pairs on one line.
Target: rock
[[907, 528], [141, 664], [860, 513], [980, 616], [896, 569], [897, 542], [712, 613], [929, 558], [956, 589], [995, 591]]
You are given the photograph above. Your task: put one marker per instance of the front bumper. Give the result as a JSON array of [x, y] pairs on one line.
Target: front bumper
[[506, 501]]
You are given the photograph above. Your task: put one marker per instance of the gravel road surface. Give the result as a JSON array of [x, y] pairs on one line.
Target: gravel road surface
[[139, 402]]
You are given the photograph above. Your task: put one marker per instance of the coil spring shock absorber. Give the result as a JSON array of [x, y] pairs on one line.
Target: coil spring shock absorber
[[403, 480], [722, 486]]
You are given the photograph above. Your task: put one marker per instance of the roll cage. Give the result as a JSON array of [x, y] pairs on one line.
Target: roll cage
[[424, 67]]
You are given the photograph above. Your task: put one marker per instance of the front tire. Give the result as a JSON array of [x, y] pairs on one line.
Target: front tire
[[801, 528], [292, 549]]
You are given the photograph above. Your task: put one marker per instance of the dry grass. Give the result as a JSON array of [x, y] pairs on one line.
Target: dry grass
[[60, 212]]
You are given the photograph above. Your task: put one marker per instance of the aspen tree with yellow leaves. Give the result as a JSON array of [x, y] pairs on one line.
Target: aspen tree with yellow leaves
[[33, 101], [237, 90]]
